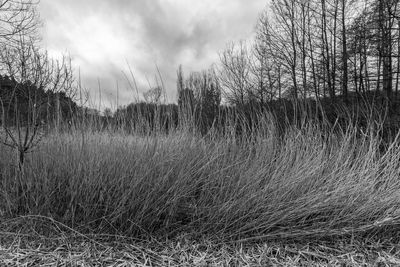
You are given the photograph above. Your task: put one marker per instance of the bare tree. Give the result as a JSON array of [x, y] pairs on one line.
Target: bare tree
[[286, 16], [386, 21], [344, 52], [265, 72], [234, 74], [31, 73], [273, 46], [333, 46]]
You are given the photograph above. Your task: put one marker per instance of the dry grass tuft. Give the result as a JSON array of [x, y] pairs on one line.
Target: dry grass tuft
[[331, 191]]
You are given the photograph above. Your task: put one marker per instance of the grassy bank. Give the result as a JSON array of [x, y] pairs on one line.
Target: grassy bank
[[309, 183]]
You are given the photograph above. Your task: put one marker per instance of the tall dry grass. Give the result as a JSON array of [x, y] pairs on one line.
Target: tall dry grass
[[308, 182]]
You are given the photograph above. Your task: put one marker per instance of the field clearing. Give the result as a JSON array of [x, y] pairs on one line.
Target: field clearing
[[307, 196]]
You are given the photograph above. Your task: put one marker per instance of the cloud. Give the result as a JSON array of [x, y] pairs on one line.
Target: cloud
[[102, 36]]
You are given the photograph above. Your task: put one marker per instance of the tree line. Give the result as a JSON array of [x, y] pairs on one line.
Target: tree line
[[316, 49], [304, 51], [20, 100]]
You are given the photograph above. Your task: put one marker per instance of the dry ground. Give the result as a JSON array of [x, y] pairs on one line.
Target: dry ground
[[70, 248]]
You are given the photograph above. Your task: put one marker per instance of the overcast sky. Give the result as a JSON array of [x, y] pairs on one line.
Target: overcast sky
[[104, 36]]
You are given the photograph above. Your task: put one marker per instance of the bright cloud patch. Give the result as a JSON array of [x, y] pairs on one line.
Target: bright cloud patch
[[102, 36]]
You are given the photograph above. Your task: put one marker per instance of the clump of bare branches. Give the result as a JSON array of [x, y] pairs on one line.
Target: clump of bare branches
[[24, 100], [30, 77], [18, 18]]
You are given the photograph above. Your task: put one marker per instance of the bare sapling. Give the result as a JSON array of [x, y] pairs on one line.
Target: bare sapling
[[31, 78]]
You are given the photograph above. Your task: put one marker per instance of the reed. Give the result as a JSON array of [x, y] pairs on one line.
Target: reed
[[309, 182]]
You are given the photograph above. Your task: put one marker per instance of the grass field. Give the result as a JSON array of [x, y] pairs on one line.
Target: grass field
[[308, 196]]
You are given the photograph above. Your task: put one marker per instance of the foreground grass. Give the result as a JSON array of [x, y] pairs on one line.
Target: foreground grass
[[306, 186], [65, 247]]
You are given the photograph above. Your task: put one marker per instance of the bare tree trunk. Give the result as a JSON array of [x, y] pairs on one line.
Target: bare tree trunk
[[334, 52], [311, 47], [355, 74], [293, 39], [386, 51], [304, 53], [327, 53], [398, 59], [344, 53], [378, 74], [366, 73], [361, 80]]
